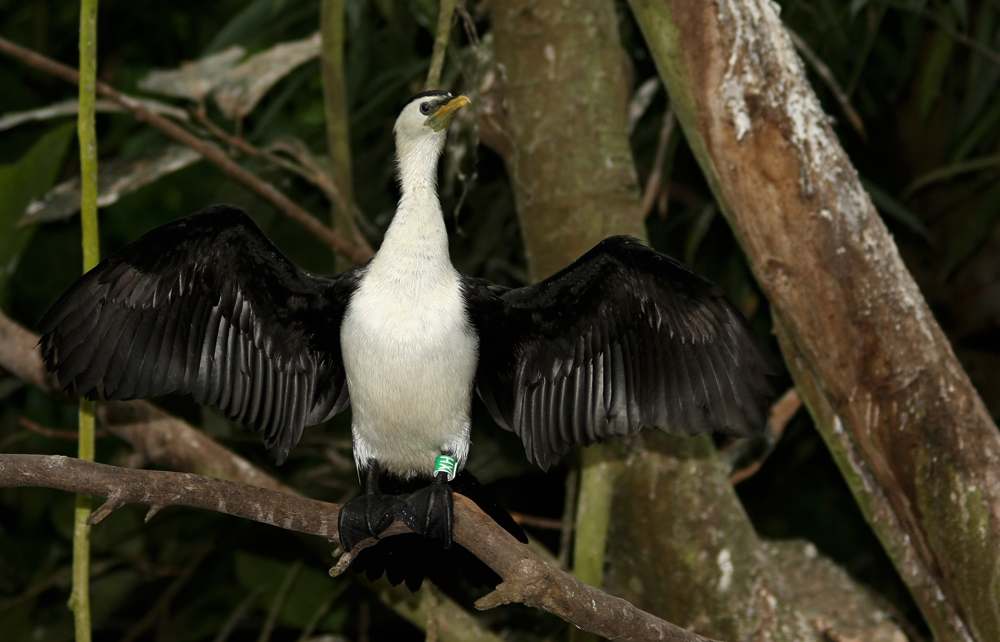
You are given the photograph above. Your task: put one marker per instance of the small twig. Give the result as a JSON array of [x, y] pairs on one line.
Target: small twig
[[279, 601], [568, 516], [60, 576], [320, 611], [537, 522], [949, 171], [163, 603], [652, 190], [237, 614], [209, 151], [971, 43], [238, 142], [831, 82], [781, 413], [68, 435], [446, 13], [866, 49], [305, 167]]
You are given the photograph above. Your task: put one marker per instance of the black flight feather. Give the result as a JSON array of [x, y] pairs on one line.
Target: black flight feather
[[207, 305], [622, 338]]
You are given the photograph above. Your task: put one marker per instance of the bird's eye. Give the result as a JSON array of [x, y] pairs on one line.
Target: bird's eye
[[425, 108]]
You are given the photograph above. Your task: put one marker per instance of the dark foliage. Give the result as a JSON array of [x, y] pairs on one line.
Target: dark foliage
[[922, 76]]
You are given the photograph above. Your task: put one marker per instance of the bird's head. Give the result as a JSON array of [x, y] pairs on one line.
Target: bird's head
[[426, 118]]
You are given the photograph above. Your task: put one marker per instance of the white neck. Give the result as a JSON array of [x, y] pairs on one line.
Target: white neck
[[417, 231]]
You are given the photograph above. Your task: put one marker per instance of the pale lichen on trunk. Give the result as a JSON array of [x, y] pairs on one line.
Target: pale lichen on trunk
[[914, 439], [566, 95], [692, 532], [571, 170]]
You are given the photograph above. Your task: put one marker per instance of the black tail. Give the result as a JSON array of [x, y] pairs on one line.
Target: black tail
[[410, 558]]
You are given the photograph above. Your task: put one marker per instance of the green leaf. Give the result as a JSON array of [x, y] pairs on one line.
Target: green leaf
[[110, 592], [896, 210], [30, 177], [981, 134], [983, 75], [935, 67], [974, 232], [698, 231], [253, 25], [202, 616], [310, 590], [962, 11], [16, 622]]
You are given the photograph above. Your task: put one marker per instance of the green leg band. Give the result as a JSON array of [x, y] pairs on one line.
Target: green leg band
[[446, 464]]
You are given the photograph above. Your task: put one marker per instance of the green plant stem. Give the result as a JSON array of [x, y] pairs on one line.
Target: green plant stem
[[593, 519], [338, 133], [593, 514], [79, 599], [445, 14]]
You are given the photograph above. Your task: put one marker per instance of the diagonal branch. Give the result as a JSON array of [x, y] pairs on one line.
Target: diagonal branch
[[526, 577], [209, 151]]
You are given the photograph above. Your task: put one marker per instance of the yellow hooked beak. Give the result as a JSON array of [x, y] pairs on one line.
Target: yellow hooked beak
[[442, 117]]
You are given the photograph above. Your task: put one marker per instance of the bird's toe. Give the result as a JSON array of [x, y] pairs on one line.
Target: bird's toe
[[428, 511], [366, 516]]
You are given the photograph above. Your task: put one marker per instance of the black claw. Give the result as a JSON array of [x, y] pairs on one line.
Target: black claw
[[368, 515], [428, 511]]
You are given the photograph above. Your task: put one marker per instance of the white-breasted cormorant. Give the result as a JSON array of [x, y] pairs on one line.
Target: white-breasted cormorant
[[624, 337]]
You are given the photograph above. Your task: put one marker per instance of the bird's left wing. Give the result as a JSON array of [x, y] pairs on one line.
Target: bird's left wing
[[622, 338], [207, 305]]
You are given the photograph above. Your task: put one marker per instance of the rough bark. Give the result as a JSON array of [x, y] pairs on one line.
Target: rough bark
[[527, 578], [911, 435], [690, 532], [565, 98], [566, 103]]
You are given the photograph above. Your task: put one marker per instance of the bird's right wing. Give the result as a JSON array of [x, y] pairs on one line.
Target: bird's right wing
[[624, 337], [207, 305]]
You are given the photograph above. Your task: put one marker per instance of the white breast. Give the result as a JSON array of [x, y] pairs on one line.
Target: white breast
[[410, 357]]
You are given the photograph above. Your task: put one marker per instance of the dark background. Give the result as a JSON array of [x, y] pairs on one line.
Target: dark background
[[922, 77]]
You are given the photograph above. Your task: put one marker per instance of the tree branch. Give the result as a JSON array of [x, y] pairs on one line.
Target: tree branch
[[209, 151], [911, 435], [526, 577], [446, 13]]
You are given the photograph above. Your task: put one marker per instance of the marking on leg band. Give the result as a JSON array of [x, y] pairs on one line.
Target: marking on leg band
[[446, 464]]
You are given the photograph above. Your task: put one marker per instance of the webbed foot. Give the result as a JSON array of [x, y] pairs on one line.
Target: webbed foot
[[368, 515], [428, 511]]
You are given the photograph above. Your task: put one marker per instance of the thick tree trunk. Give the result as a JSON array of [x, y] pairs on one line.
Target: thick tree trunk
[[909, 432], [575, 183], [567, 98]]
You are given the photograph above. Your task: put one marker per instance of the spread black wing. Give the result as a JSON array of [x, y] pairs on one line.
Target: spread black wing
[[624, 337], [207, 305]]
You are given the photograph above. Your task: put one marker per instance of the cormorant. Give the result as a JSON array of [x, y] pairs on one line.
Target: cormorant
[[624, 337]]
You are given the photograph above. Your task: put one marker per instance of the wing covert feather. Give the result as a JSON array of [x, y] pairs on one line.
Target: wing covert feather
[[207, 306], [622, 338]]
